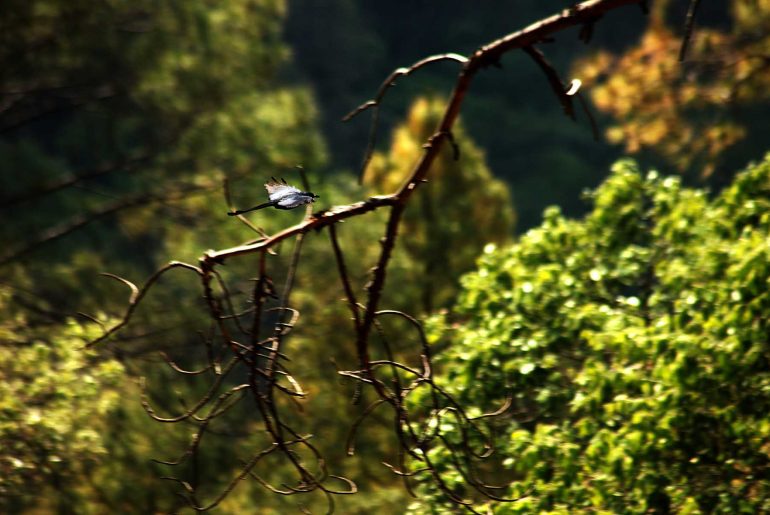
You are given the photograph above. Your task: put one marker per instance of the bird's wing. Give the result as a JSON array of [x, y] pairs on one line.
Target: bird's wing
[[277, 190]]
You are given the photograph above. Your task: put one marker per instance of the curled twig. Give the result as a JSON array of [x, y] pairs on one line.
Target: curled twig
[[139, 293], [375, 103]]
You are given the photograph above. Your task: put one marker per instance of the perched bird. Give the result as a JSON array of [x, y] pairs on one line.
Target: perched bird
[[282, 196]]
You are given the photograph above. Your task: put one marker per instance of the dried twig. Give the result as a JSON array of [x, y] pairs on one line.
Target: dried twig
[[344, 276], [375, 103], [688, 26], [553, 80], [137, 294]]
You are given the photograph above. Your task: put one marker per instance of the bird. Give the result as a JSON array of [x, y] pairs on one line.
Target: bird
[[282, 196]]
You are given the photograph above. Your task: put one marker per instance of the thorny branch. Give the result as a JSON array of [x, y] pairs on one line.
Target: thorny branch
[[239, 339]]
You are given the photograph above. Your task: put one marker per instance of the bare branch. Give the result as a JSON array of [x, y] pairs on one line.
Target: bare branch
[[136, 297], [485, 56], [344, 276], [553, 80], [402, 72], [132, 286], [317, 221], [688, 26], [375, 103], [590, 115]]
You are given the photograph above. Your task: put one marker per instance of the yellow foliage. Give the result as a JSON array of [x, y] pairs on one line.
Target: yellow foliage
[[681, 110]]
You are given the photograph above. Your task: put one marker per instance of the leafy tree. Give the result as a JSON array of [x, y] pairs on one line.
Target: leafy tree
[[54, 400], [692, 113], [464, 207], [634, 347]]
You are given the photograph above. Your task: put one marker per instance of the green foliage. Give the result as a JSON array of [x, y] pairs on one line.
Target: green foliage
[[54, 399], [634, 346]]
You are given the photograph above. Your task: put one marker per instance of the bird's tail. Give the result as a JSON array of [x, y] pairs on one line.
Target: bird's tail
[[241, 211]]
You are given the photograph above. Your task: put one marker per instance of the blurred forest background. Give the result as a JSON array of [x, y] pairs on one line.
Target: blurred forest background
[[629, 325]]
